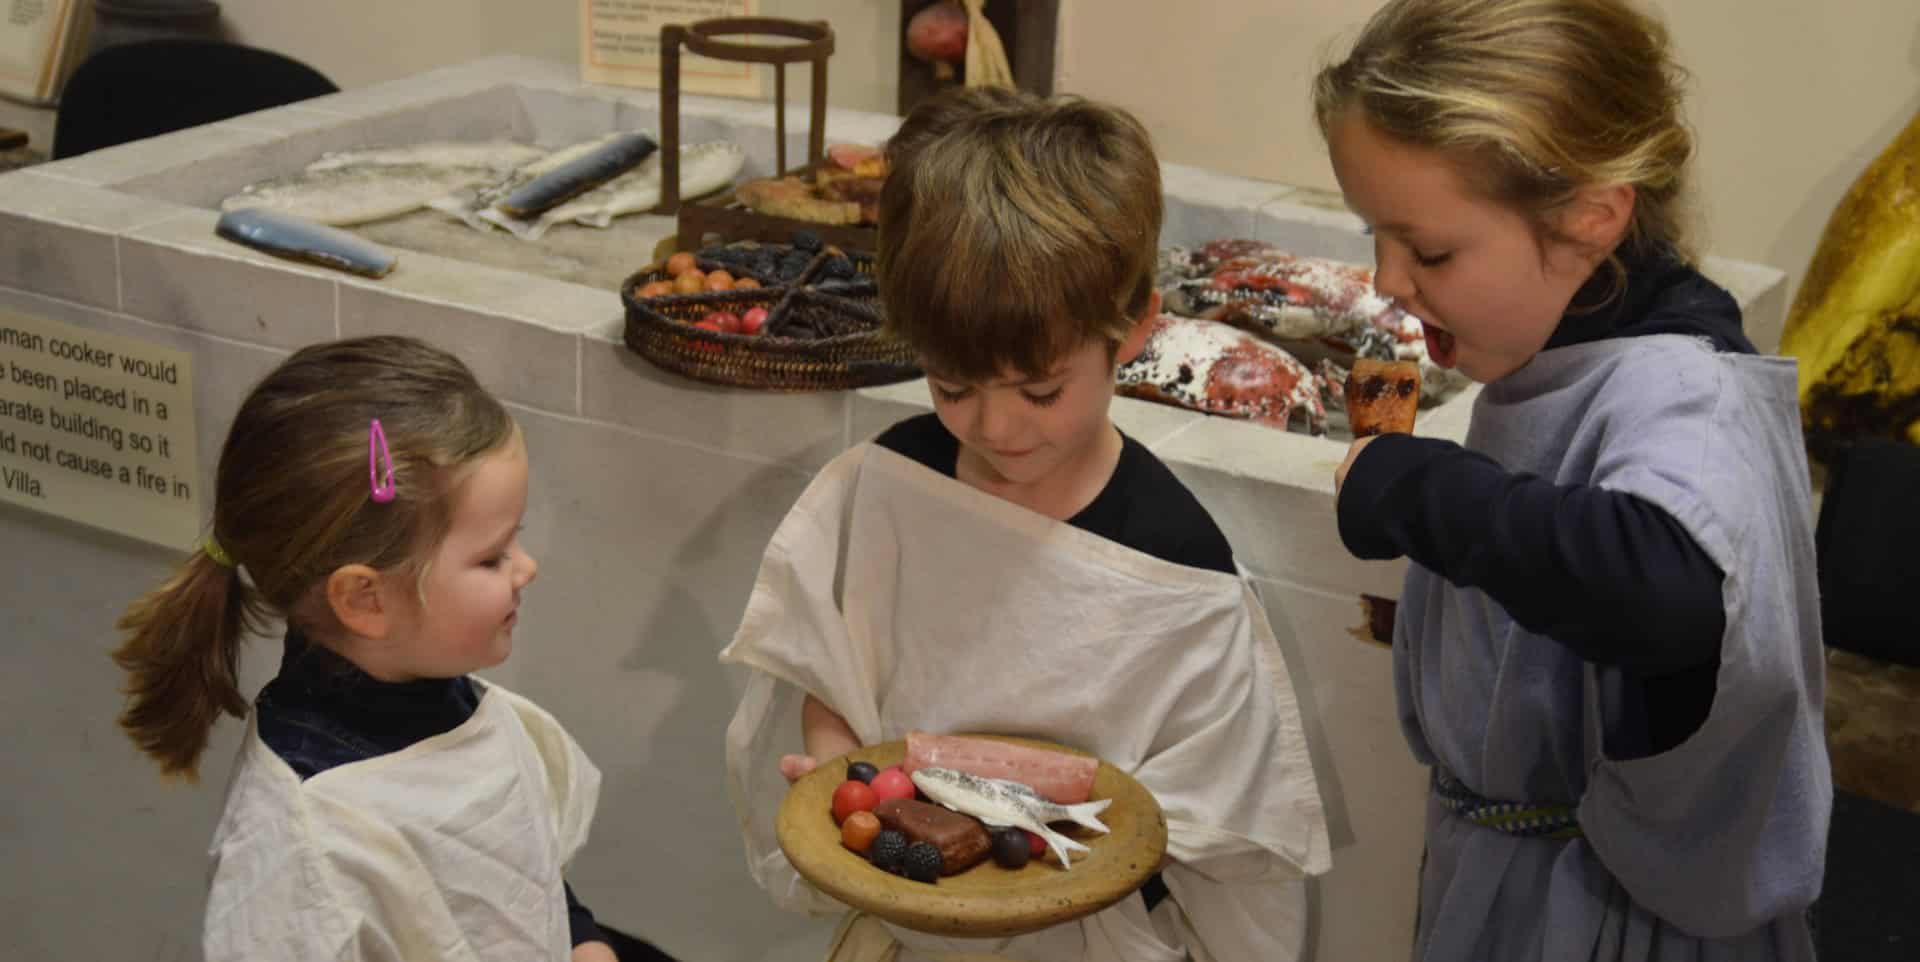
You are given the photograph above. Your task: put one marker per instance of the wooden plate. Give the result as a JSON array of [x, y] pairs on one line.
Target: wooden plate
[[984, 901]]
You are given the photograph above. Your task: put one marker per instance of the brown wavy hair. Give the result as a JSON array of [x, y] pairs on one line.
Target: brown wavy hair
[[1533, 98], [1014, 228], [291, 506]]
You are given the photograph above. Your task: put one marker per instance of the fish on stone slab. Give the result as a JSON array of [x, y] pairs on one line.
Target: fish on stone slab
[[999, 803], [704, 168], [575, 166], [617, 155], [284, 235], [343, 196], [502, 156]]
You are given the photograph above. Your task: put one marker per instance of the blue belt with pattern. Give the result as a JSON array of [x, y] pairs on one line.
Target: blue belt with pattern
[[1524, 819]]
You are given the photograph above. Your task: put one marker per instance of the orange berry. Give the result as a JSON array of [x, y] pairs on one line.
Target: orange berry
[[859, 830]]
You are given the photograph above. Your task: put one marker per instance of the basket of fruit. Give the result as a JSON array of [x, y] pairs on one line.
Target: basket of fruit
[[972, 836], [799, 317]]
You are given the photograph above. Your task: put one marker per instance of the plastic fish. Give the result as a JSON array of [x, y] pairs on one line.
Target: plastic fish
[[998, 803], [286, 236], [613, 157], [501, 156], [470, 203], [356, 194], [703, 168]]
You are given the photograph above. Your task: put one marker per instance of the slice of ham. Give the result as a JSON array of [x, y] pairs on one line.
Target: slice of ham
[[1057, 776]]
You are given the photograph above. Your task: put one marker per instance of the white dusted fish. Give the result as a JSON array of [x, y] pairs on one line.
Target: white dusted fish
[[500, 156], [286, 236], [356, 194], [703, 168], [998, 803]]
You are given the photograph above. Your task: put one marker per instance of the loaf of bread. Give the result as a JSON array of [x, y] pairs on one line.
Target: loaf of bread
[[961, 839]]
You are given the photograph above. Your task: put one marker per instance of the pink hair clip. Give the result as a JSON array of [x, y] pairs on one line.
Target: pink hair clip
[[377, 452]]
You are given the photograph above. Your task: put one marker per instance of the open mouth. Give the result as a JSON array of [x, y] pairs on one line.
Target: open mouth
[[1440, 345]]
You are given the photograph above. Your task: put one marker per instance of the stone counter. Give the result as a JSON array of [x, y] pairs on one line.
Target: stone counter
[[652, 499]]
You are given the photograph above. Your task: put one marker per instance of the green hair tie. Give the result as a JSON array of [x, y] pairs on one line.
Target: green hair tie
[[213, 550]]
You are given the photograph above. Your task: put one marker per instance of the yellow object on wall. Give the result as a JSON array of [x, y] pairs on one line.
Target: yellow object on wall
[[1855, 324]]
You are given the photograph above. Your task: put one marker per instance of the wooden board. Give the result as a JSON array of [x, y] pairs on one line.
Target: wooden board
[[985, 901]]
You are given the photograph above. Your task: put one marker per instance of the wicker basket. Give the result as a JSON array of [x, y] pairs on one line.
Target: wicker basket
[[856, 354]]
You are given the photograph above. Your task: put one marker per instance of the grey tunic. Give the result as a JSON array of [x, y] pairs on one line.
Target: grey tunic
[[1715, 848]]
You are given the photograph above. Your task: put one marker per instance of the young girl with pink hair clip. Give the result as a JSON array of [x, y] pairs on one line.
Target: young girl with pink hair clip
[[386, 805]]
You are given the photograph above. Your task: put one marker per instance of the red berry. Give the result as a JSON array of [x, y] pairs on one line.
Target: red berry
[[852, 797], [1036, 844], [893, 783]]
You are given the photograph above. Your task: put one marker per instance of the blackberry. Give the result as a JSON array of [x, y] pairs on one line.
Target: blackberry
[[793, 264], [806, 240], [888, 851], [922, 862], [838, 268]]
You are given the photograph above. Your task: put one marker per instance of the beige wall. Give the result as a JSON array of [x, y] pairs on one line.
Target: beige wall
[[1790, 103], [359, 42]]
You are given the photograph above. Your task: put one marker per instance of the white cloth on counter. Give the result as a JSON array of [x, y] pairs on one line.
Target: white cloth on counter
[[904, 599], [450, 849]]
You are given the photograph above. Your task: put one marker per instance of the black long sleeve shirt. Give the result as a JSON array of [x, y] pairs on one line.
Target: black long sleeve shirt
[[1614, 578]]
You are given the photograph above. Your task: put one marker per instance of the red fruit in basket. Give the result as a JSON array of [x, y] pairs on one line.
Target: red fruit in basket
[[892, 783], [753, 320], [679, 263], [727, 320], [852, 797]]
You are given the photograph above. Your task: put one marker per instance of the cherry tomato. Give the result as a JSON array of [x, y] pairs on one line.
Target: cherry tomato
[[852, 797], [1036, 844], [893, 783], [858, 831], [753, 320], [680, 263]]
